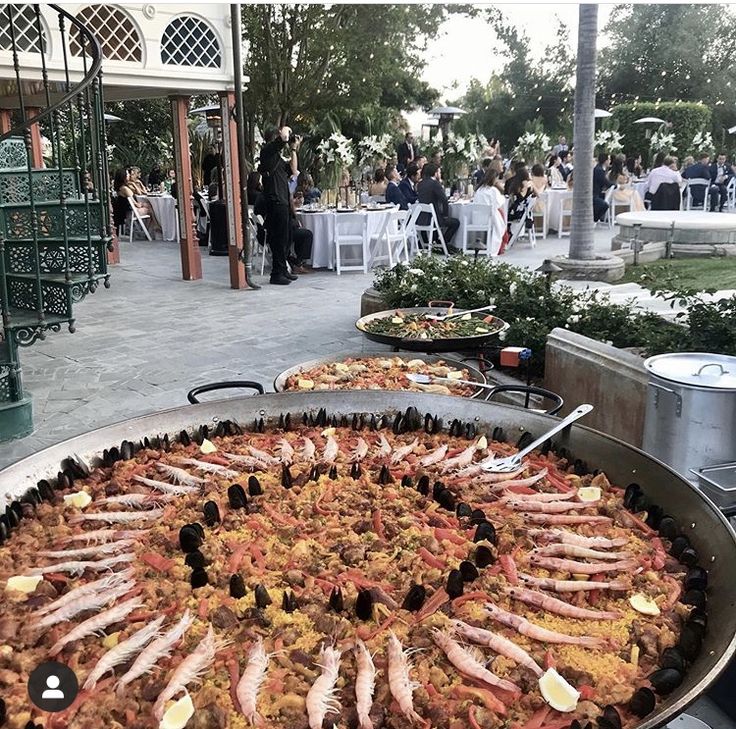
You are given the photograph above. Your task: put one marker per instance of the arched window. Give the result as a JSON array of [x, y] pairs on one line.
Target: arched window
[[25, 28], [115, 31], [189, 41]]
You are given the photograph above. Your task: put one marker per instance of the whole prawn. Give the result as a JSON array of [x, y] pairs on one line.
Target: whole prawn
[[207, 467], [360, 451], [286, 452], [548, 518], [321, 696], [462, 459], [559, 535], [434, 456], [136, 501], [572, 550], [559, 607], [548, 583], [247, 461], [179, 475], [399, 679], [90, 588], [262, 456], [88, 552], [331, 450], [548, 507], [556, 564], [167, 488], [308, 450], [99, 536], [77, 567], [365, 684], [117, 517], [251, 680], [401, 453]]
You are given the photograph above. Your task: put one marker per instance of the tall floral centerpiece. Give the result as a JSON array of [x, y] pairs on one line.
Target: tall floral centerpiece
[[609, 141], [533, 145], [702, 144], [337, 155], [662, 141], [373, 150], [459, 154]]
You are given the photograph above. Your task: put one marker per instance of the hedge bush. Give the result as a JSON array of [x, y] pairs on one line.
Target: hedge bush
[[687, 120], [521, 298]]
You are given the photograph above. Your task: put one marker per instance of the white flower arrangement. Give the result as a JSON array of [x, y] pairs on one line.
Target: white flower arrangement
[[373, 148], [336, 150], [702, 143], [532, 146], [609, 140], [662, 142]]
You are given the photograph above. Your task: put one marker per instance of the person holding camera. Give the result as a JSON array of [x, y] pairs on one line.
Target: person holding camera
[[275, 173]]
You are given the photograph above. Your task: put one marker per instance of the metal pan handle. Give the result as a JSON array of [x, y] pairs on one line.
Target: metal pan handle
[[530, 390], [192, 394]]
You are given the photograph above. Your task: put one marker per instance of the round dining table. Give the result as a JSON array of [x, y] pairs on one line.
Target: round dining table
[[164, 208]]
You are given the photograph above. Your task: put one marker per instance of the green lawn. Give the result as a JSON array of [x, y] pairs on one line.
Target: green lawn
[[696, 273]]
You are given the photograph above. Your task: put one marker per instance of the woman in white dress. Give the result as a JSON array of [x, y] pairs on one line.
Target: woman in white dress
[[624, 193], [554, 164], [489, 194]]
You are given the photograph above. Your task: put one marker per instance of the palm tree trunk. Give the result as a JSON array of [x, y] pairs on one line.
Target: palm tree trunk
[[581, 232]]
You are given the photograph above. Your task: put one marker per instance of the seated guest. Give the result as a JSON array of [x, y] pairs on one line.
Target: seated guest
[[437, 158], [565, 164], [305, 185], [253, 186], [554, 169], [600, 185], [520, 181], [408, 186], [497, 167], [155, 176], [520, 189], [720, 175], [689, 160], [633, 165], [134, 181], [378, 187], [624, 193], [539, 185], [480, 173], [126, 198], [665, 174], [393, 191], [169, 182], [430, 191], [301, 242], [701, 170], [421, 160]]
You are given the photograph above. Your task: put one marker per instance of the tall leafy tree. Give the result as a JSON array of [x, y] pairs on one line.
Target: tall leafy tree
[[581, 231]]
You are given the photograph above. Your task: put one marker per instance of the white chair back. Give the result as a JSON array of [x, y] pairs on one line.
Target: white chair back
[[479, 219], [565, 213], [519, 227], [543, 214], [351, 231], [430, 228], [136, 217], [392, 232], [695, 183], [731, 191]]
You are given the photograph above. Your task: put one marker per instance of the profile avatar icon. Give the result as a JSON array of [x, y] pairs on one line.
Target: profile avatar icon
[[53, 691]]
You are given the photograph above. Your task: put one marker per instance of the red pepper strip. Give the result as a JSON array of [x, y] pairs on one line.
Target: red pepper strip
[[236, 557], [586, 692], [432, 605], [324, 585], [471, 717], [641, 524], [258, 556], [212, 458], [157, 561], [232, 667], [431, 690], [362, 581], [470, 596], [280, 518], [378, 524], [549, 660], [140, 616], [450, 536], [509, 568], [521, 490], [384, 626], [661, 557], [430, 559], [61, 720], [203, 608], [130, 717], [489, 700], [317, 507], [441, 520], [538, 718]]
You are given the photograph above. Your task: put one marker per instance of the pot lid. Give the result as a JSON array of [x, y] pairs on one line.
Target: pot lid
[[698, 369]]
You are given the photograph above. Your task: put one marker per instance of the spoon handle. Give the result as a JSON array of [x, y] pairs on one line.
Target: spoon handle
[[571, 418]]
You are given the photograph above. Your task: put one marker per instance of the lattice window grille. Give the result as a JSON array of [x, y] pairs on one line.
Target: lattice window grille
[[116, 32], [189, 41], [26, 30]]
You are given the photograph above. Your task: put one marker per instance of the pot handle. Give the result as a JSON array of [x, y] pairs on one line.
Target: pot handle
[[678, 398], [192, 394], [712, 364], [530, 390]]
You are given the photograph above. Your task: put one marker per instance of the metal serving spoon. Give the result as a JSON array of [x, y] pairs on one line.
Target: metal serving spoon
[[429, 379], [462, 312], [512, 463]]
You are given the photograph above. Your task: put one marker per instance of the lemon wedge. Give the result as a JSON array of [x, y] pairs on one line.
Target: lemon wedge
[[328, 431], [481, 443], [557, 692], [110, 641], [413, 363], [80, 499], [454, 375], [23, 583], [178, 714], [341, 367], [644, 604], [581, 578], [306, 384], [466, 317], [589, 493], [207, 447], [481, 330], [397, 320]]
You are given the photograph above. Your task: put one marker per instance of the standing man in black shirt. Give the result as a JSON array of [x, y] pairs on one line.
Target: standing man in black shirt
[[275, 173]]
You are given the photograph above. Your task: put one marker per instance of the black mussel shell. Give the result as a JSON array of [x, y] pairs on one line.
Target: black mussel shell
[[199, 578], [655, 514], [198, 528], [478, 516], [321, 419], [46, 490], [695, 598], [190, 539], [31, 496], [254, 486], [3, 533], [470, 431], [575, 724], [484, 557], [468, 571], [384, 477], [78, 467], [412, 418], [579, 467], [314, 473], [289, 603], [373, 423], [282, 422], [260, 426], [642, 702], [127, 450], [406, 482], [689, 557], [64, 481], [195, 560], [3, 712], [456, 427], [455, 584], [356, 472], [385, 422], [398, 426], [236, 496], [344, 421], [437, 488], [666, 680], [525, 439], [423, 485], [17, 509], [678, 546], [673, 658], [696, 579], [263, 599], [464, 510], [610, 719], [184, 438], [364, 605], [336, 600], [632, 493], [698, 620], [334, 422], [220, 429], [498, 434], [446, 500], [211, 513], [333, 473], [429, 424], [12, 517], [306, 418], [667, 527], [691, 641], [415, 598], [287, 480], [357, 423], [485, 531], [203, 432], [237, 586]]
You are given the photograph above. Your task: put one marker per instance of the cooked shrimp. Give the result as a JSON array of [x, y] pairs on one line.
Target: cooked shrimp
[[321, 697], [360, 451], [555, 564], [155, 652], [98, 536], [567, 519], [214, 468], [308, 450], [365, 685], [559, 535], [251, 680], [286, 452], [104, 583], [384, 447], [401, 453], [548, 507], [499, 644], [547, 583], [179, 475], [136, 501], [189, 670], [123, 652], [462, 459], [559, 607], [331, 450], [399, 678], [117, 517], [506, 484], [262, 456], [88, 552], [77, 567], [434, 456], [167, 488], [249, 462], [94, 625], [536, 632], [572, 550], [468, 665]]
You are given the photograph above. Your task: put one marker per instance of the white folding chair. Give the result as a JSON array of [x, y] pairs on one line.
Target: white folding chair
[[346, 225], [543, 215], [479, 220], [731, 191], [393, 233], [136, 217], [695, 183], [519, 227], [427, 231], [565, 213], [263, 250]]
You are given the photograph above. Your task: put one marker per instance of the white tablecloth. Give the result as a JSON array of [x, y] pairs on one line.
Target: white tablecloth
[[164, 208], [641, 187], [322, 225], [554, 206]]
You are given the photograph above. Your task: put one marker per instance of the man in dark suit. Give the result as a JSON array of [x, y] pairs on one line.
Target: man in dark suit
[[408, 184], [394, 194], [720, 175], [406, 152], [701, 171], [600, 185], [480, 173], [430, 191]]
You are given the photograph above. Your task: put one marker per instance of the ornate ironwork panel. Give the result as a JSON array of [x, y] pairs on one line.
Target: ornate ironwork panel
[[14, 186], [49, 217], [13, 153]]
